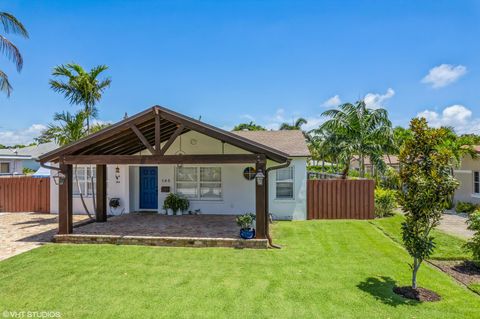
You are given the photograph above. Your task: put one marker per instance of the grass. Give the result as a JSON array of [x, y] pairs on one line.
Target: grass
[[475, 287], [326, 269], [448, 247]]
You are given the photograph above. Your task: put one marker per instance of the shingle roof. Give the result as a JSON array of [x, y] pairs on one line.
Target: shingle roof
[[290, 142], [29, 152]]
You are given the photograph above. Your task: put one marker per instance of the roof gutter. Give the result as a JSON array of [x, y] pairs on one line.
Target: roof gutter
[[267, 214], [42, 164]]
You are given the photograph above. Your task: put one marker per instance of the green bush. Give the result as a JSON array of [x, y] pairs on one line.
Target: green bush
[[245, 221], [465, 207], [474, 244], [385, 202], [390, 179]]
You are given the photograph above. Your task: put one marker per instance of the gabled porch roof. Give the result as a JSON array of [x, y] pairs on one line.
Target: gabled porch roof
[[149, 130]]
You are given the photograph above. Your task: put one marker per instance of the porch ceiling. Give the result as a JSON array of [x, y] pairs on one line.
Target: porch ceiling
[[149, 129]]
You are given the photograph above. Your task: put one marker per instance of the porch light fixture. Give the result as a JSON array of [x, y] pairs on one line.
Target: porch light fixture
[[59, 179], [260, 177], [117, 174]]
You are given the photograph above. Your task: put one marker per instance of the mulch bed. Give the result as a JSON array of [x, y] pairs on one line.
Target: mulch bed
[[419, 294], [466, 272]]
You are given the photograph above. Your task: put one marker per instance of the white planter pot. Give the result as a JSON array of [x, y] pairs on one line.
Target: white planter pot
[[169, 212], [179, 213]]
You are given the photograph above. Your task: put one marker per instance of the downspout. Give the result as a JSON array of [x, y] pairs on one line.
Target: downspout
[[267, 215]]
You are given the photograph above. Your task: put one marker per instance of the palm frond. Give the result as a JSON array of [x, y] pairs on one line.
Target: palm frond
[[97, 70], [12, 24], [11, 51], [5, 84]]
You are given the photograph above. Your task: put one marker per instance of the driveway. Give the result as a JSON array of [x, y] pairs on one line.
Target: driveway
[[20, 232], [455, 224]]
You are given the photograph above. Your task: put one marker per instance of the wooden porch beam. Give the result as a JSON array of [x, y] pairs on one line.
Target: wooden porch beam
[[172, 138], [260, 199], [161, 159], [101, 193], [158, 136], [65, 207], [142, 138]]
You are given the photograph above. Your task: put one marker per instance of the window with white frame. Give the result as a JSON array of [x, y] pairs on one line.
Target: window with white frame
[[201, 183], [84, 175], [476, 182], [284, 183], [4, 168]]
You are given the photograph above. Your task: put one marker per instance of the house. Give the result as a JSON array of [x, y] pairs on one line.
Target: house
[[468, 175], [14, 161], [143, 158], [390, 160]]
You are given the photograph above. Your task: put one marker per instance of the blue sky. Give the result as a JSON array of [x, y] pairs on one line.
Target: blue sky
[[232, 61]]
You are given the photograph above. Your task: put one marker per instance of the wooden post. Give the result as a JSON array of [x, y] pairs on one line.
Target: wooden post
[[65, 208], [260, 199], [101, 193]]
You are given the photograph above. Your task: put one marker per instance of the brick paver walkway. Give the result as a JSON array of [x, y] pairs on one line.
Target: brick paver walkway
[[20, 232], [152, 224]]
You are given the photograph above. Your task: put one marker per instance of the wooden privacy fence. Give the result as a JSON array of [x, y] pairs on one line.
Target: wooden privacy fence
[[25, 194], [340, 199]]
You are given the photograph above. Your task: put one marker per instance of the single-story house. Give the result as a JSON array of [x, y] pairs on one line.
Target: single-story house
[[468, 174], [143, 158], [13, 161], [390, 160]]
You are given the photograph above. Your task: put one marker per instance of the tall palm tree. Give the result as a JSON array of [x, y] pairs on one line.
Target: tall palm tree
[[365, 131], [81, 87], [10, 26], [296, 126]]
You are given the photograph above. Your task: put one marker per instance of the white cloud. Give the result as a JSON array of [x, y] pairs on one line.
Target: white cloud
[[458, 116], [22, 136], [332, 102], [444, 75], [375, 100], [280, 116]]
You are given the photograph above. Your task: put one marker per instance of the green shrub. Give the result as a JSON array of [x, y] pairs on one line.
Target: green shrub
[[385, 202], [390, 179], [245, 221], [465, 207], [474, 244]]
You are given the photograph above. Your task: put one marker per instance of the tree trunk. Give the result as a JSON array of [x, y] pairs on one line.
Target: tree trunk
[[362, 166], [323, 165], [416, 266]]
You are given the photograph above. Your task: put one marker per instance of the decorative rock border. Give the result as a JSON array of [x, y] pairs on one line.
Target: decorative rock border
[[161, 241]]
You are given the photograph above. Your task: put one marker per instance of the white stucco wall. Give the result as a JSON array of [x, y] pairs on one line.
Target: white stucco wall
[[464, 174], [238, 193]]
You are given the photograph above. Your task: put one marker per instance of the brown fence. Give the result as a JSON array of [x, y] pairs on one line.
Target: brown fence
[[340, 199], [24, 194]]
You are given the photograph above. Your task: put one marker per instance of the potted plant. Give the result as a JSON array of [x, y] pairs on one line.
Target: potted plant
[[175, 204], [245, 222]]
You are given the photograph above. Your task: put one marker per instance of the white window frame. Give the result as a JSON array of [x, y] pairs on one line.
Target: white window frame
[[9, 167], [292, 168], [476, 182], [83, 180], [198, 182]]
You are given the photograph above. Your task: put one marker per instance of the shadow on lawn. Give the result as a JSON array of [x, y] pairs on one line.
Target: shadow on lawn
[[382, 289]]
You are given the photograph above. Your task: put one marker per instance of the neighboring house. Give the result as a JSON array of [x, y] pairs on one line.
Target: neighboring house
[[390, 160], [214, 168], [468, 174], [13, 161]]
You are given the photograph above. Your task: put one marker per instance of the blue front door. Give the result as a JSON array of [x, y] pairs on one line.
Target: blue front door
[[148, 188]]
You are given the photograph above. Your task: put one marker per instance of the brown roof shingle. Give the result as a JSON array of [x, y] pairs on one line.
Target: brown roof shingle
[[290, 142]]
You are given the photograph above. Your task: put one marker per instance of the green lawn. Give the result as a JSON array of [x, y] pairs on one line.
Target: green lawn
[[448, 247], [326, 269]]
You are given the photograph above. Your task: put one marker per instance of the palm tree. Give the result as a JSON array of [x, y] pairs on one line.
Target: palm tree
[[10, 26], [81, 87], [363, 131], [296, 126], [67, 129]]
